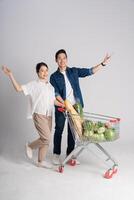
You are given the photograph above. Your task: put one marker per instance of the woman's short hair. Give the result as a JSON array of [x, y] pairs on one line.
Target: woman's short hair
[[39, 65]]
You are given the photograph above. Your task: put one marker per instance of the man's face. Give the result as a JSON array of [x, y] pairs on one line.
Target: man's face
[[43, 72], [62, 61]]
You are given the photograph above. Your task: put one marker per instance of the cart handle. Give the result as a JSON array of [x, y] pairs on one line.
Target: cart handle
[[60, 109], [114, 120], [118, 119]]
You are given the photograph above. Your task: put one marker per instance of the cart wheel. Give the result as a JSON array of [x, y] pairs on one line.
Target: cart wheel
[[60, 169], [108, 174], [72, 162]]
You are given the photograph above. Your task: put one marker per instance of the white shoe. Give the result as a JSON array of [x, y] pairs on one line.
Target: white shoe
[[56, 159], [45, 164], [29, 151]]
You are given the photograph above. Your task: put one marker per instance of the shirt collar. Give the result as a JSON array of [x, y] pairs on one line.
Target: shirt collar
[[58, 70], [41, 81]]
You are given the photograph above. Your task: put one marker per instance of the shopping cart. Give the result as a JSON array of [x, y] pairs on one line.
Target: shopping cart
[[108, 128]]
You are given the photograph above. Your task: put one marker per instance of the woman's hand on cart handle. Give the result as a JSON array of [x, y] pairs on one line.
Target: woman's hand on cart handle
[[59, 98], [58, 103]]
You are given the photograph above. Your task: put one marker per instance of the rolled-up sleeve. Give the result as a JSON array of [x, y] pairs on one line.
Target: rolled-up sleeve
[[52, 81], [27, 88], [83, 72]]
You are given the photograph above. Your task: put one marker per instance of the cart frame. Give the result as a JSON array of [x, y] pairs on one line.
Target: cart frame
[[81, 145]]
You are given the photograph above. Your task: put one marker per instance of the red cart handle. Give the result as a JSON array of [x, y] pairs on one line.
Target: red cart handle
[[115, 120], [60, 109]]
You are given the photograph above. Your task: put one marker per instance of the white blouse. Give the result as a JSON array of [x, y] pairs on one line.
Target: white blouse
[[41, 98]]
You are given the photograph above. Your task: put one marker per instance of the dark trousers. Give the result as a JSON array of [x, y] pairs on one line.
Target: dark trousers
[[59, 126]]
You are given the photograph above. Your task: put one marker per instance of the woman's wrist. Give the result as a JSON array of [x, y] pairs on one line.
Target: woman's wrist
[[10, 75]]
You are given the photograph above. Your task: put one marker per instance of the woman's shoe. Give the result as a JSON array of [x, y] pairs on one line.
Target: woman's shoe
[[29, 151]]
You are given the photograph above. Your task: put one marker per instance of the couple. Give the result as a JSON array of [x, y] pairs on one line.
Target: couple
[[43, 95]]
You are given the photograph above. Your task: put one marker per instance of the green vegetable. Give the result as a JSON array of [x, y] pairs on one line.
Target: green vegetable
[[101, 137], [101, 130], [87, 125], [97, 131], [100, 124], [110, 134], [95, 137], [87, 128], [79, 109]]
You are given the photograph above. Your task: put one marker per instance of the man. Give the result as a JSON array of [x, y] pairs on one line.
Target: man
[[66, 83]]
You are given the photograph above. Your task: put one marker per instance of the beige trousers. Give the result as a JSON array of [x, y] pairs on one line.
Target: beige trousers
[[43, 125]]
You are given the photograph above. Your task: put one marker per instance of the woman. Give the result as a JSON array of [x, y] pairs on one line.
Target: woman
[[41, 103]]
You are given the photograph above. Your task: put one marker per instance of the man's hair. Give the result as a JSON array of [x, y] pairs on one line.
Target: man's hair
[[59, 52], [39, 65]]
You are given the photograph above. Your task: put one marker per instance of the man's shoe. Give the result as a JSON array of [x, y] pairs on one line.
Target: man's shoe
[[56, 159]]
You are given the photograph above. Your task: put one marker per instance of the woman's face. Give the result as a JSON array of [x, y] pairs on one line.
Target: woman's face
[[43, 72]]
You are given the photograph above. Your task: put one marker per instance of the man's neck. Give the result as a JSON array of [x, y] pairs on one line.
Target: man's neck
[[62, 69]]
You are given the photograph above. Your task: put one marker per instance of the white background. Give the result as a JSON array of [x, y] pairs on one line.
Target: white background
[[32, 31]]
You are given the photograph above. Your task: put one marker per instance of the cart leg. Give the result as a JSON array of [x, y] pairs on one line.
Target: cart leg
[[71, 155], [81, 149], [113, 170], [72, 161], [106, 153], [77, 152]]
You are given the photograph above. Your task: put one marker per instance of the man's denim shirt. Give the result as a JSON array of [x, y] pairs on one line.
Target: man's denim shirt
[[73, 74]]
